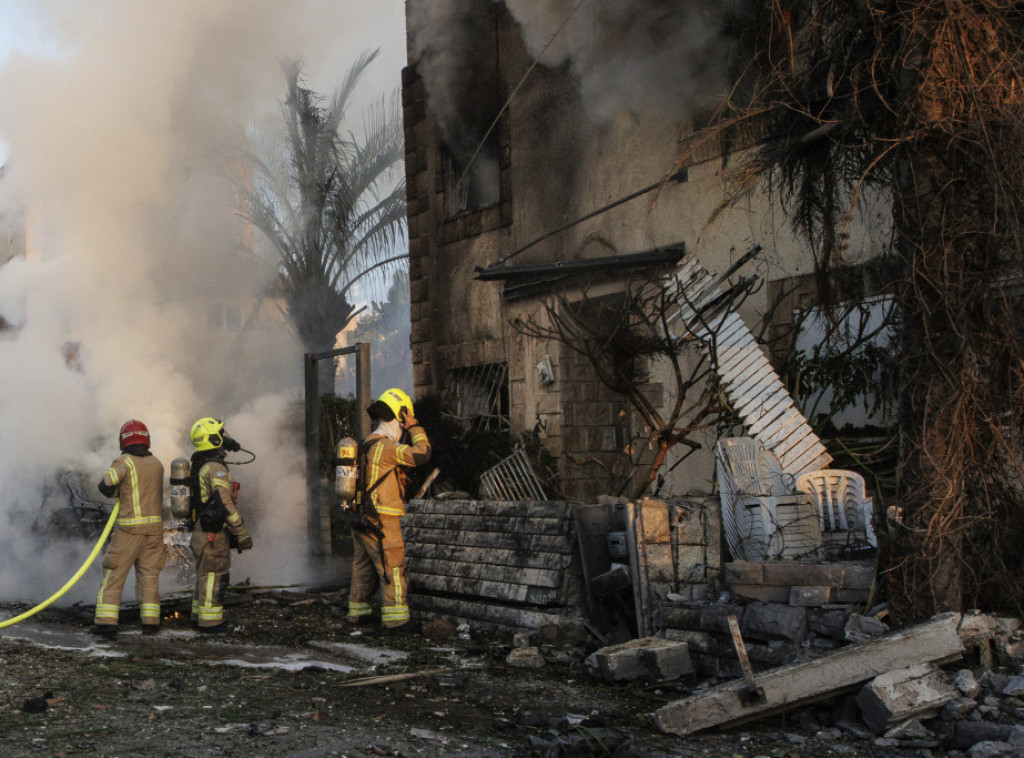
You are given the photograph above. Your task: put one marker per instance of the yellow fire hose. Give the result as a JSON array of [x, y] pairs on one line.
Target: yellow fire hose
[[71, 582]]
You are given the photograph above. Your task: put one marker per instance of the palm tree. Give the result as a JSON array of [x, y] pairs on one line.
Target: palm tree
[[331, 205]]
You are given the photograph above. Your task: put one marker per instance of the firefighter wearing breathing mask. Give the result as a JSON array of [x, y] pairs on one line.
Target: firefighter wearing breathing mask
[[379, 557], [136, 477], [217, 524]]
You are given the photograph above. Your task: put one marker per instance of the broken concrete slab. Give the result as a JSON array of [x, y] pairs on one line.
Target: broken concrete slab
[[896, 696], [784, 688], [648, 657]]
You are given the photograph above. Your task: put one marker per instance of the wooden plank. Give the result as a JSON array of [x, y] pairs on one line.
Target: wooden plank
[[456, 523], [477, 612], [518, 509], [509, 574], [480, 588], [548, 543], [800, 683], [490, 556]]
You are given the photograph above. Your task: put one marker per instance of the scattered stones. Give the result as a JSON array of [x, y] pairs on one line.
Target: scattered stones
[[525, 658], [966, 683], [862, 628], [1015, 687]]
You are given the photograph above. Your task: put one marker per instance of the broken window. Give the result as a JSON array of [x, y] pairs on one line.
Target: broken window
[[469, 136], [478, 397]]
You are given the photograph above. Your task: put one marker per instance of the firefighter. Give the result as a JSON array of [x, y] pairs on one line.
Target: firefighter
[[217, 524], [136, 478], [379, 551]]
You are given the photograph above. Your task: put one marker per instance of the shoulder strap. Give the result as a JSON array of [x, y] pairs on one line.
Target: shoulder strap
[[366, 447]]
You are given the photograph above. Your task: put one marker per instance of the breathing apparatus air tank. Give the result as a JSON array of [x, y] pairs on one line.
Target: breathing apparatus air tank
[[346, 473], [181, 494]]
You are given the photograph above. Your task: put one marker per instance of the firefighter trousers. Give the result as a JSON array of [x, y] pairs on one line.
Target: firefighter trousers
[[144, 552], [213, 564], [371, 570]]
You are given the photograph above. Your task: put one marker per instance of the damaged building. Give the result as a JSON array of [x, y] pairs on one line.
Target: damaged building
[[536, 187], [556, 166]]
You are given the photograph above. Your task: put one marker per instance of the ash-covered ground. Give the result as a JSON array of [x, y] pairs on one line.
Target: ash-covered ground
[[294, 679]]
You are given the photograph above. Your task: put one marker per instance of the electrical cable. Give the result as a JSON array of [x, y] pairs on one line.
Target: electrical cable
[[70, 582]]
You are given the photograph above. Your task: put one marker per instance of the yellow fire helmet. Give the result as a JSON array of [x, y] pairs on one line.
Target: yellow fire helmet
[[397, 401], [208, 433]]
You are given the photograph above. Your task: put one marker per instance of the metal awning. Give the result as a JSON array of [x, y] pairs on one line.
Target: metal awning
[[534, 278]]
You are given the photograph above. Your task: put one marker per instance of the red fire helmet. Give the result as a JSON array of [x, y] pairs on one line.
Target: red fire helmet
[[134, 432]]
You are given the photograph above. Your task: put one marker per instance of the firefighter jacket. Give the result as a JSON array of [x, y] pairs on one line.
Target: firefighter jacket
[[215, 482], [139, 482], [383, 461]]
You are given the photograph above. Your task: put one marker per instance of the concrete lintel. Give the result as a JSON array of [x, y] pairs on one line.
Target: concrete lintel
[[791, 686]]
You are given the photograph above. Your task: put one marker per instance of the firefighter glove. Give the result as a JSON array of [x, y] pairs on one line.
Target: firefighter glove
[[244, 541]]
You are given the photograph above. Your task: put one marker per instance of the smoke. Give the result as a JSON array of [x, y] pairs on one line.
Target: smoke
[[115, 147], [638, 55], [454, 43]]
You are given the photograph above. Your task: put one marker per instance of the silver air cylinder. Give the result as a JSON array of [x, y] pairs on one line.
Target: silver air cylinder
[[181, 495], [346, 474]]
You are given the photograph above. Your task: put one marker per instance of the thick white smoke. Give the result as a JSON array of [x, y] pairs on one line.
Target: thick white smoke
[[639, 55], [113, 152]]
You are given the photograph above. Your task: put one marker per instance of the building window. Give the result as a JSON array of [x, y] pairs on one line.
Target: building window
[[225, 317], [478, 397]]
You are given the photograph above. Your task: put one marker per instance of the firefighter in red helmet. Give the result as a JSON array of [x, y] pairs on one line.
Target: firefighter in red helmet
[[397, 442], [136, 478]]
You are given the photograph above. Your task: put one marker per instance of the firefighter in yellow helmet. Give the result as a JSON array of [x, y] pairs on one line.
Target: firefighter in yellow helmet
[[217, 524], [136, 477], [379, 558]]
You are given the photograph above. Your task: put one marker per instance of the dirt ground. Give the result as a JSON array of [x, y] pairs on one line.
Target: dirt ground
[[291, 680]]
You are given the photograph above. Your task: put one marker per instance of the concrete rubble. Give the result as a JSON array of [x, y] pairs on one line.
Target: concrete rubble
[[655, 606]]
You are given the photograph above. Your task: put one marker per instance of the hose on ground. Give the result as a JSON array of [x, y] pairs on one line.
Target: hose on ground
[[70, 582]]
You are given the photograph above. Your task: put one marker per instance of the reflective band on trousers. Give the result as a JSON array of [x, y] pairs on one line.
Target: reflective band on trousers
[[359, 609], [149, 611]]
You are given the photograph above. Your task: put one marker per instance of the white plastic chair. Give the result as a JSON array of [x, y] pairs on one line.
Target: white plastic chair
[[844, 509], [752, 486]]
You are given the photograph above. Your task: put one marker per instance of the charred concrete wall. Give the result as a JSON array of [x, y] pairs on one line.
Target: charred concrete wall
[[553, 164]]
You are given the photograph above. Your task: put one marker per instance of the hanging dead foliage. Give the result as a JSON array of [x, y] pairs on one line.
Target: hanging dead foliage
[[921, 100]]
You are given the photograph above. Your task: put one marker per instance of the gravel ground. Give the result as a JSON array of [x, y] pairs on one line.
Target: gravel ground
[[291, 681]]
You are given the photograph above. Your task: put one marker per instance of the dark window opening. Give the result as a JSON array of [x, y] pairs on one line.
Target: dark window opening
[[469, 144], [478, 397]]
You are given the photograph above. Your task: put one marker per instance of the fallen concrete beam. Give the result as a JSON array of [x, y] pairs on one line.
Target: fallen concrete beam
[[790, 686]]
